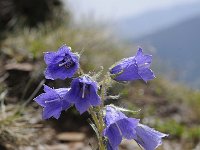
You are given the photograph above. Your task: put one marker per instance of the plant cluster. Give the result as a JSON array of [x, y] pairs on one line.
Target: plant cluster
[[88, 94]]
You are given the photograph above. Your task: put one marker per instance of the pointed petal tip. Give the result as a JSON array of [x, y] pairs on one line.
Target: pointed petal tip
[[57, 116], [81, 111], [64, 46], [140, 49]]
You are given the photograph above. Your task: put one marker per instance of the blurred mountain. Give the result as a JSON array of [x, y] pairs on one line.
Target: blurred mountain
[[150, 22], [179, 47], [175, 35]]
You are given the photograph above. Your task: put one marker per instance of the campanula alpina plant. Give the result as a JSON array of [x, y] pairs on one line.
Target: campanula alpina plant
[[133, 68], [83, 93], [119, 126], [53, 101], [61, 64], [109, 122]]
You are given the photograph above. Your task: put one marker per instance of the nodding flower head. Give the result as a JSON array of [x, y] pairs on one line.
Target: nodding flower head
[[133, 68], [119, 126], [61, 64], [148, 138], [52, 101], [83, 93]]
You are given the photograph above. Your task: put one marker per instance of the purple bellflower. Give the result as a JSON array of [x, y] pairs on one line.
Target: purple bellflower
[[148, 138], [119, 126], [83, 93], [61, 64], [52, 102], [133, 68]]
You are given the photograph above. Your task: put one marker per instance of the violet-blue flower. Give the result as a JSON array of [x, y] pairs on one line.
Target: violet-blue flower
[[118, 126], [148, 138], [52, 101], [133, 68], [83, 93], [61, 64]]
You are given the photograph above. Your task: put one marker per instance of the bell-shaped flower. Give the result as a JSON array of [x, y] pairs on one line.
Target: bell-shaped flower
[[83, 93], [133, 68], [118, 126], [52, 101], [61, 64], [148, 138]]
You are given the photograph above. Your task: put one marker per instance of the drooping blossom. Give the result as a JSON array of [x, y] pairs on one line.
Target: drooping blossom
[[83, 93], [133, 68], [148, 138], [119, 126], [61, 64], [52, 101]]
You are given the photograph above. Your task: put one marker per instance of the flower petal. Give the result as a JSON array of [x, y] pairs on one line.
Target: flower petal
[[52, 58], [71, 71], [74, 93], [148, 138], [127, 127], [48, 89], [52, 110], [93, 97], [129, 73], [86, 80], [62, 91], [61, 64], [113, 115], [48, 96], [109, 147], [55, 72], [65, 105], [83, 93], [133, 68], [113, 135], [82, 106], [122, 65], [75, 58], [146, 74], [63, 50], [42, 98]]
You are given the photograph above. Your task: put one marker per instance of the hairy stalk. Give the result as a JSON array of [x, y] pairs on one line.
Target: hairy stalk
[[98, 116], [100, 108], [99, 128]]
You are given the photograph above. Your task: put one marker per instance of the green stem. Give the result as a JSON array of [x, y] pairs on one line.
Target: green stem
[[99, 109], [99, 128], [99, 115]]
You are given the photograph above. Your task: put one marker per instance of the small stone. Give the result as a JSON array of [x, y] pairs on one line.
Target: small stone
[[19, 66], [71, 136], [76, 145], [129, 145], [197, 147], [57, 147]]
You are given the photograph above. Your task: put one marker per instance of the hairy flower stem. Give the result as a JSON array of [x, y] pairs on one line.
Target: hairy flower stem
[[97, 114], [99, 126]]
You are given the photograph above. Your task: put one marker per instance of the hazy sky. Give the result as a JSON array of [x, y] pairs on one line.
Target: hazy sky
[[117, 9]]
